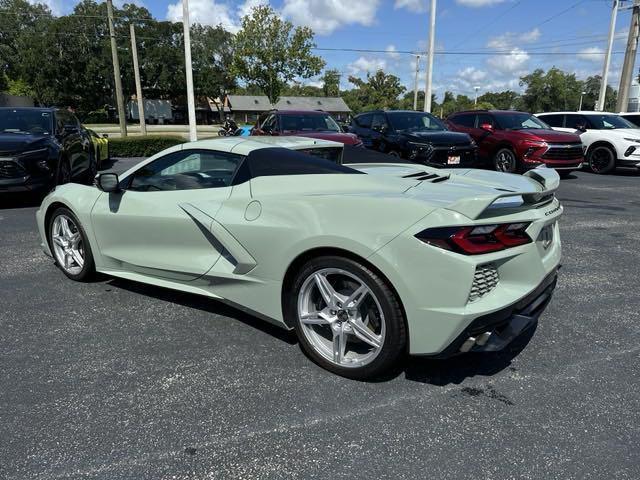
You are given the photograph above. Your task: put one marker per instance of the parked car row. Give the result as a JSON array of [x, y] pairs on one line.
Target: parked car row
[[507, 141]]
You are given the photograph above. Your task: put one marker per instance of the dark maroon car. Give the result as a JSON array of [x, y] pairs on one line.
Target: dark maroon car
[[303, 123], [513, 141]]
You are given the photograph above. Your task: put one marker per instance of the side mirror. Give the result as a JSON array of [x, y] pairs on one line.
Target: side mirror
[[581, 128], [108, 182], [105, 135], [487, 127]]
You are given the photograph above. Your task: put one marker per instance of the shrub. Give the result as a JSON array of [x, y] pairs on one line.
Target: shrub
[[141, 146]]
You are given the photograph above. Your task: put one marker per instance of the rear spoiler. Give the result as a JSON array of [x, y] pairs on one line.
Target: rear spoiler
[[545, 181]]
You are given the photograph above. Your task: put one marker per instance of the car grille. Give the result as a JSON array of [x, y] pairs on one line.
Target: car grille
[[485, 279], [10, 169], [564, 152]]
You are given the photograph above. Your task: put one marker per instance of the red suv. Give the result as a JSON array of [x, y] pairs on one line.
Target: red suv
[[517, 141], [304, 123]]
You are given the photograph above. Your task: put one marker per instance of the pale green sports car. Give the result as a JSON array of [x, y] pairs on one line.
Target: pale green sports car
[[366, 262]]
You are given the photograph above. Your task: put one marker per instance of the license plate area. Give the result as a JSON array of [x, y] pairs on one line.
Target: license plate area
[[453, 160]]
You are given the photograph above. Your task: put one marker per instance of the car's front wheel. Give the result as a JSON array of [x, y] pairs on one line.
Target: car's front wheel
[[70, 246], [347, 318], [601, 159], [505, 161]]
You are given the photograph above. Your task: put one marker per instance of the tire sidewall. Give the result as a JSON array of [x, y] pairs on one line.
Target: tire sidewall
[[612, 162], [395, 335], [63, 164], [88, 269]]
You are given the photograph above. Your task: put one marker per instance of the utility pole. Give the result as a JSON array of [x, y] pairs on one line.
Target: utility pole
[[432, 41], [136, 71], [116, 72], [475, 100], [415, 84], [191, 103], [629, 58], [607, 57]]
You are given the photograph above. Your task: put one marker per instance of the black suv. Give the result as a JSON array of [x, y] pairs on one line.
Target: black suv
[[416, 136], [42, 147]]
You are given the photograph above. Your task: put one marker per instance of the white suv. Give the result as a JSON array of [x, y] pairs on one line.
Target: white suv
[[609, 140]]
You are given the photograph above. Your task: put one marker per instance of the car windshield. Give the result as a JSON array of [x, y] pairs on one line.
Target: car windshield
[[309, 123], [520, 121], [414, 122], [609, 122], [25, 121]]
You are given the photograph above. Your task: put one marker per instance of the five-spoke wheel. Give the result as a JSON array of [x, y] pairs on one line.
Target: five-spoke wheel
[[347, 318], [69, 245]]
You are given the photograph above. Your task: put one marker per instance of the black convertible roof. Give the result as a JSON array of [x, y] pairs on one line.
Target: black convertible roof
[[265, 162]]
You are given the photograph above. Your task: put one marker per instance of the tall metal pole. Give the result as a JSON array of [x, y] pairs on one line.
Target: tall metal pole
[[629, 59], [607, 58], [191, 103], [432, 41], [116, 71], [136, 71], [415, 84], [475, 100]]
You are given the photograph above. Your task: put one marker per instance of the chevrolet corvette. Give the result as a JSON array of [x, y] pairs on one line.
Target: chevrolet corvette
[[366, 262]]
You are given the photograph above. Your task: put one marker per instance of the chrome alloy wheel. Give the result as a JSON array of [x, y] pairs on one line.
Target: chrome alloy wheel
[[341, 317], [505, 161], [67, 244]]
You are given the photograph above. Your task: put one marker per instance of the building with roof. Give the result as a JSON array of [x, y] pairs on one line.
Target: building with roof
[[247, 108]]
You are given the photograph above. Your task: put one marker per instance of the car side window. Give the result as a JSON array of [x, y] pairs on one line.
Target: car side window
[[485, 119], [270, 124], [553, 120], [575, 121], [465, 120], [364, 121], [187, 170], [379, 121]]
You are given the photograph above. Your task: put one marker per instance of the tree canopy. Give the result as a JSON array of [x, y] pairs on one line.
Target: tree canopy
[[270, 52]]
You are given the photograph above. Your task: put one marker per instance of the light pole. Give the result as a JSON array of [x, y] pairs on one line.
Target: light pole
[[607, 58], [415, 84], [432, 42], [191, 103], [475, 101], [581, 95]]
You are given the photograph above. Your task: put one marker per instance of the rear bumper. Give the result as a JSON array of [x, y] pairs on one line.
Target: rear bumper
[[495, 331]]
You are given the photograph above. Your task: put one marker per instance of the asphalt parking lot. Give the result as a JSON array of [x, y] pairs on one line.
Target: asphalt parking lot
[[117, 380]]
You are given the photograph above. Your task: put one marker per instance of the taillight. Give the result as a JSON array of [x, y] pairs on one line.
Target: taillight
[[477, 240]]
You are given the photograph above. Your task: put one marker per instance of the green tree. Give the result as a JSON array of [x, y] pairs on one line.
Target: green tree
[[592, 88], [331, 83], [550, 91], [378, 91], [507, 100], [270, 52]]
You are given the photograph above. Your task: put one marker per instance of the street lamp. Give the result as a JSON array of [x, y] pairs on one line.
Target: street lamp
[[581, 95], [475, 101]]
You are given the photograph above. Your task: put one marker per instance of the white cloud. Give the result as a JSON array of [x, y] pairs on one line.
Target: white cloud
[[591, 54], [513, 63], [326, 16], [206, 12], [246, 8], [510, 39], [392, 51], [366, 65], [57, 7], [472, 74], [478, 3], [417, 6]]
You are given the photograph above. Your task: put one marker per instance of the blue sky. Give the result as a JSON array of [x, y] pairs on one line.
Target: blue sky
[[485, 43]]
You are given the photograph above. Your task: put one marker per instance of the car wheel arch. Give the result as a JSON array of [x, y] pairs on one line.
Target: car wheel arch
[[298, 262], [602, 143], [49, 213]]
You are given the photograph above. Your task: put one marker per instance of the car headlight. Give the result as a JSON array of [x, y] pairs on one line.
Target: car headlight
[[634, 140], [419, 149], [38, 157]]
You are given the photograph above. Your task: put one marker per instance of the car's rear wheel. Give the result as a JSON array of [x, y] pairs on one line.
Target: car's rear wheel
[[70, 246], [505, 161], [347, 318], [601, 159]]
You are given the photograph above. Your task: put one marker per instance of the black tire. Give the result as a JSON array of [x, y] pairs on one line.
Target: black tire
[[394, 153], [505, 161], [395, 338], [92, 171], [64, 172], [89, 269], [601, 159]]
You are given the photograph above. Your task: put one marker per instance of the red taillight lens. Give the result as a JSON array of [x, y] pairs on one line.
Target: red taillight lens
[[477, 240]]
